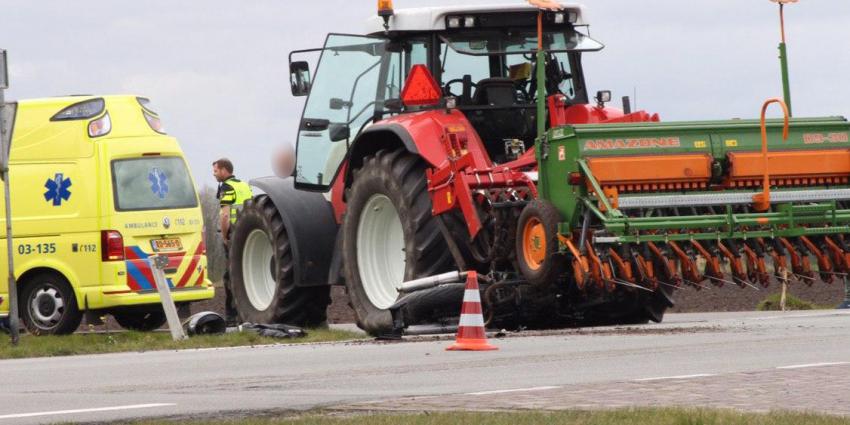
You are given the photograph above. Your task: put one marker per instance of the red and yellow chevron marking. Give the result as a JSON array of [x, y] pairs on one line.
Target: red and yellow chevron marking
[[190, 275], [140, 277]]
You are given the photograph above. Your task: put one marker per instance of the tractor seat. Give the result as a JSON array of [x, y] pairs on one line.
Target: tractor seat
[[499, 92]]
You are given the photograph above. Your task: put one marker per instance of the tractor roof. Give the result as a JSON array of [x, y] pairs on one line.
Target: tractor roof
[[433, 18]]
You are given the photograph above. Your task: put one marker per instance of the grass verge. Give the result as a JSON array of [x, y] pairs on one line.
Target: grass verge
[[51, 346], [656, 416], [771, 303]]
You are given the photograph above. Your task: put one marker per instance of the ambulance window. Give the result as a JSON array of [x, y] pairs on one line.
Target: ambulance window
[[154, 183]]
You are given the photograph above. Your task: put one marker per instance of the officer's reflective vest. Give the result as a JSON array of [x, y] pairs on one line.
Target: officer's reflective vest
[[236, 198]]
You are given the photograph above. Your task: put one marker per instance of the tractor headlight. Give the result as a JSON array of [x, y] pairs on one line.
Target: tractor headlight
[[453, 22], [469, 21], [559, 18]]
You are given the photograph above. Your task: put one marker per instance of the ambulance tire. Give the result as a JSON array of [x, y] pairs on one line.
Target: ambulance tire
[[398, 177], [48, 305], [284, 302], [138, 320]]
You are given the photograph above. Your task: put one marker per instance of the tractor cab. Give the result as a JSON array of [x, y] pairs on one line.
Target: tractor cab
[[481, 59], [490, 69]]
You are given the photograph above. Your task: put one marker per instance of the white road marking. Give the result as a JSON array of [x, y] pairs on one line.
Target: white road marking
[[662, 378], [96, 409], [804, 366], [518, 390]]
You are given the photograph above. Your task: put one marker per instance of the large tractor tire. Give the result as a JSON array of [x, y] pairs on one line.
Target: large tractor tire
[[261, 271], [390, 235], [48, 305]]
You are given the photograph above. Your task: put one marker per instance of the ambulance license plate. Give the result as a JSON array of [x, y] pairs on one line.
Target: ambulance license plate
[[166, 245]]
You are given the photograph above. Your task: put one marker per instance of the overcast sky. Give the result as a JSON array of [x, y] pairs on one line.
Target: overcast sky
[[217, 70]]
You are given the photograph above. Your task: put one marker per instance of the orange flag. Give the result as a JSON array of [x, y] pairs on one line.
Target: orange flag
[[546, 4]]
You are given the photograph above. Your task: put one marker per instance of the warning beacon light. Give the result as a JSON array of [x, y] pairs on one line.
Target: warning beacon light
[[385, 8]]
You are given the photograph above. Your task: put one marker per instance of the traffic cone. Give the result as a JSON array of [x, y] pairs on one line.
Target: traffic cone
[[470, 330]]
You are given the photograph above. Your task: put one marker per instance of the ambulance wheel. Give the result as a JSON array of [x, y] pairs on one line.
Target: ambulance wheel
[[537, 243], [389, 235], [140, 320], [48, 305], [261, 271]]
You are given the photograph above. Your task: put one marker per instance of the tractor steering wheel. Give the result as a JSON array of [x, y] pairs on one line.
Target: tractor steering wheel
[[448, 87]]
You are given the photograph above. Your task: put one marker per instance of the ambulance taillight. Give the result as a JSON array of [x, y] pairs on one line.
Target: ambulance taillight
[[111, 245]]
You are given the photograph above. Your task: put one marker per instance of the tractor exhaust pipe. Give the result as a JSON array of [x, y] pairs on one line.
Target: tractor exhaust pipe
[[627, 105]]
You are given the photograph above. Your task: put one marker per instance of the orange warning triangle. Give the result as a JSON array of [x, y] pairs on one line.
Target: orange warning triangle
[[420, 88]]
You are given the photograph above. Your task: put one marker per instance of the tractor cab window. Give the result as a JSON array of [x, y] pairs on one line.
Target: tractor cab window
[[461, 73], [344, 97], [492, 73], [404, 55]]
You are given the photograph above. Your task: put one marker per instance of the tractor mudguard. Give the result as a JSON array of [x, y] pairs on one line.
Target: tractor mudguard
[[310, 225], [419, 133], [374, 138], [335, 272]]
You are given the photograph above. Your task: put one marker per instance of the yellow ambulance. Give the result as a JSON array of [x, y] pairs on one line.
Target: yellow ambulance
[[97, 187]]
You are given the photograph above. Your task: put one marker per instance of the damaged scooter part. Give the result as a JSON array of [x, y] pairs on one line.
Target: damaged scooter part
[[205, 323], [274, 330], [425, 307]]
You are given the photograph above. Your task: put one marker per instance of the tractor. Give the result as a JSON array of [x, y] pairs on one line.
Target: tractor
[[465, 138]]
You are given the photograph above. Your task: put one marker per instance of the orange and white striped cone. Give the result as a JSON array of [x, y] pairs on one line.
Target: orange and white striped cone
[[470, 330]]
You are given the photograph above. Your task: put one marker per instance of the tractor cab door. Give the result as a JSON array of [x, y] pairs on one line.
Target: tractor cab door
[[343, 98]]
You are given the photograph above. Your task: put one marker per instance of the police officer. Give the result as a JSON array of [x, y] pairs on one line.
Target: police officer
[[232, 194]]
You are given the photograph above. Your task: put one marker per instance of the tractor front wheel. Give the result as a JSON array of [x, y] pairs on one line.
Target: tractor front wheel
[[261, 271], [390, 235]]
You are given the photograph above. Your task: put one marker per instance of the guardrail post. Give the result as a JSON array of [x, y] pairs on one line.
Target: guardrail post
[[158, 264], [6, 122]]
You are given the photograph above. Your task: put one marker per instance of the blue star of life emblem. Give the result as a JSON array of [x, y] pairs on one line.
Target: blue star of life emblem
[[159, 183], [57, 189]]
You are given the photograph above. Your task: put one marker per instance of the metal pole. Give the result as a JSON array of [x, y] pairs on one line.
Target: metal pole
[[14, 327], [158, 264], [783, 60], [541, 80]]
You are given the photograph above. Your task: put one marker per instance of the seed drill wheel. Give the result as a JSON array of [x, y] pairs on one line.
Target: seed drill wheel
[[537, 243]]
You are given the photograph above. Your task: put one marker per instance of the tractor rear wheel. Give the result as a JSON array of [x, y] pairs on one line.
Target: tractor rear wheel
[[261, 271], [390, 235]]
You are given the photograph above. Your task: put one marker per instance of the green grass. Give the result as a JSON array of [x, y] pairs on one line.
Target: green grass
[[771, 303], [52, 346], [663, 416]]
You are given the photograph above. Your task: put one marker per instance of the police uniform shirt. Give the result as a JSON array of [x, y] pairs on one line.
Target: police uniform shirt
[[226, 194]]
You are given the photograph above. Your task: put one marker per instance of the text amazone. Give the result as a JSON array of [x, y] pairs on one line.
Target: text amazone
[[647, 143]]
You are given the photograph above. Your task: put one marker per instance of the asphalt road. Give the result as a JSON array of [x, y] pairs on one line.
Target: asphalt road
[[215, 381]]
